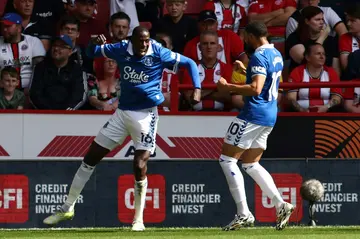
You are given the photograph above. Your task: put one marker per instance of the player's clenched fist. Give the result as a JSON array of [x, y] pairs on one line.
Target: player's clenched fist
[[99, 40], [196, 96], [222, 85]]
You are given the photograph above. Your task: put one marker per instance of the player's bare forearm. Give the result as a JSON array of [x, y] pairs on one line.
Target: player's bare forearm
[[245, 90]]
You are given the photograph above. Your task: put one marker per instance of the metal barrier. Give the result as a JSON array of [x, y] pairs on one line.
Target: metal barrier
[[176, 87]]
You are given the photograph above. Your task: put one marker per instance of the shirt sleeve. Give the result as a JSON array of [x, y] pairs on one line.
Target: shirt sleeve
[[332, 18], [237, 45], [295, 77], [106, 50], [345, 44], [258, 65], [333, 76], [227, 73], [170, 59], [291, 26], [37, 47]]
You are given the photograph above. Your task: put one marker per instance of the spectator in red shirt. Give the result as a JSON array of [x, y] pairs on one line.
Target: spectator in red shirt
[[314, 99], [211, 70], [274, 13], [88, 25], [231, 46], [350, 41], [231, 14]]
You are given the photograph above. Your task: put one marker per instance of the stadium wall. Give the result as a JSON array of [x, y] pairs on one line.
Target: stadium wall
[[66, 136], [180, 193]]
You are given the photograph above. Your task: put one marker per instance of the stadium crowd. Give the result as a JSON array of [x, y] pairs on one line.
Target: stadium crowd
[[44, 66]]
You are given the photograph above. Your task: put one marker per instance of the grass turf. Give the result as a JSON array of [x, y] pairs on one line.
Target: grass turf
[[169, 233]]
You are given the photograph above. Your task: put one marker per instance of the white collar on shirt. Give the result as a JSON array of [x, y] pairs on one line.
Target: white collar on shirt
[[131, 52], [265, 46]]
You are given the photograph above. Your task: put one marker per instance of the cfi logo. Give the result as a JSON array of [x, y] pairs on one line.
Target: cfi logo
[[289, 188], [337, 138], [154, 211], [14, 198]]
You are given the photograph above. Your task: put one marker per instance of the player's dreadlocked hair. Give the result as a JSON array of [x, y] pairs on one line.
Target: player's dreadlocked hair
[[256, 28]]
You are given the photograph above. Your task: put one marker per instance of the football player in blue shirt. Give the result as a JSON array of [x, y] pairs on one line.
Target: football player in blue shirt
[[141, 62], [247, 135]]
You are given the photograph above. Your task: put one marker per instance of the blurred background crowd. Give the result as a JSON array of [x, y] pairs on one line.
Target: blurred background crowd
[[44, 66]]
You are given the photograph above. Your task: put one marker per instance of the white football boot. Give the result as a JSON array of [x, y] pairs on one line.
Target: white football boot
[[138, 226], [283, 215], [58, 216], [240, 222]]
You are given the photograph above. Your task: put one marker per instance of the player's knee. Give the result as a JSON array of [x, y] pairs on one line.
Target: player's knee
[[249, 166], [95, 154], [226, 159], [141, 158]]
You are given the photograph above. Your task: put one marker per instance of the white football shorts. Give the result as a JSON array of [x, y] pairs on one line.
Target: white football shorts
[[246, 135], [141, 125]]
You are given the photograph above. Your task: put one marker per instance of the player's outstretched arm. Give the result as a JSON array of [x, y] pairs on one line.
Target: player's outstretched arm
[[98, 48], [253, 89], [194, 74]]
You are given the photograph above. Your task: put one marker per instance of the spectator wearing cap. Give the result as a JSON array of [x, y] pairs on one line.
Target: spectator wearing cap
[[180, 27], [331, 18], [84, 10], [231, 46], [48, 12], [128, 7], [19, 50], [58, 84]]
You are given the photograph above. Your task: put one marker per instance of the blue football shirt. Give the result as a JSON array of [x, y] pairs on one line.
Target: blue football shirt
[[140, 77], [262, 109]]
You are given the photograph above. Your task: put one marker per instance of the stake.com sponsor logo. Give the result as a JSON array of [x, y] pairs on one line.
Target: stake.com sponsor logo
[[155, 210]]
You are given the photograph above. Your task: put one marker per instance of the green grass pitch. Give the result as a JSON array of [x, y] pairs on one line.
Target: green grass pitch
[[169, 233]]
